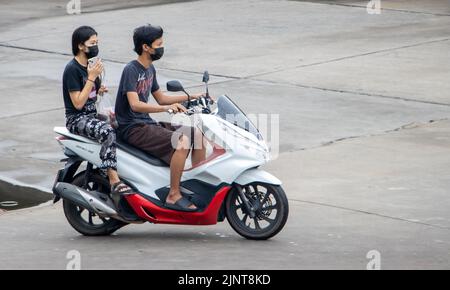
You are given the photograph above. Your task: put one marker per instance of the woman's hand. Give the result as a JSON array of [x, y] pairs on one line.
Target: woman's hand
[[103, 89], [95, 71]]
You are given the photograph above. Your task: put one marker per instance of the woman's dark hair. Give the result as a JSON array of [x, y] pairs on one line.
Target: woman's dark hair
[[81, 35], [146, 34]]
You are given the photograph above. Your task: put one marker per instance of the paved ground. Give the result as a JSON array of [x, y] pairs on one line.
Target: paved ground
[[364, 128]]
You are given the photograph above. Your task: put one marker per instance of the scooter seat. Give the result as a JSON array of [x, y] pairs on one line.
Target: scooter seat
[[140, 154]]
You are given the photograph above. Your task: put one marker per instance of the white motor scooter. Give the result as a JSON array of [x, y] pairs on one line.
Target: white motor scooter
[[228, 184]]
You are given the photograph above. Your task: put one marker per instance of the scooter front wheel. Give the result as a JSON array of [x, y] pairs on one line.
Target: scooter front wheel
[[267, 216]]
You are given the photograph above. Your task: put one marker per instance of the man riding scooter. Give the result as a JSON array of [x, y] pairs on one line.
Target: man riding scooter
[[169, 142]]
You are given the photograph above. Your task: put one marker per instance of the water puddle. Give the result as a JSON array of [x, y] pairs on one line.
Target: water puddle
[[14, 196]]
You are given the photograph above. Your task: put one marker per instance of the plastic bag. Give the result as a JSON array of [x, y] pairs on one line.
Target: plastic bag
[[105, 109]]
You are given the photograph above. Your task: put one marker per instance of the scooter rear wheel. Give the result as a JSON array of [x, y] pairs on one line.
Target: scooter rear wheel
[[86, 222], [271, 210]]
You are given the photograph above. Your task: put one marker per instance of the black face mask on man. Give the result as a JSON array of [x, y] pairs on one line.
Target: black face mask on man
[[92, 51], [159, 52]]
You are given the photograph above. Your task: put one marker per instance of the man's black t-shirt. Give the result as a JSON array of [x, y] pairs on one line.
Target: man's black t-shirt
[[74, 78], [135, 78]]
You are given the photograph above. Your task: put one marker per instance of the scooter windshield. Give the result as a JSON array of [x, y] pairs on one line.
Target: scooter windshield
[[230, 112]]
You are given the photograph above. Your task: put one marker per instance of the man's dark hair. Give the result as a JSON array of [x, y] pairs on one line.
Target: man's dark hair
[[81, 35], [146, 34]]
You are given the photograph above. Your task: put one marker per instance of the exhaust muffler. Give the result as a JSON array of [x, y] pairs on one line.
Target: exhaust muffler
[[85, 199]]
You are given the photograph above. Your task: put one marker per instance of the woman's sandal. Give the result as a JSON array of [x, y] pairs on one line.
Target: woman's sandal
[[117, 190]]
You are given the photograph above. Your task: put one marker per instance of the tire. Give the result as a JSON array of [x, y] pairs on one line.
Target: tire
[[271, 206], [81, 219]]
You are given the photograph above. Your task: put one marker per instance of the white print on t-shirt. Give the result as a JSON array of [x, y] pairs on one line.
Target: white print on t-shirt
[[141, 77], [143, 85], [92, 94]]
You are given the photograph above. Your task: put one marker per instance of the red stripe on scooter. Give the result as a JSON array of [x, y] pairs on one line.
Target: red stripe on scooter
[[168, 216], [217, 151]]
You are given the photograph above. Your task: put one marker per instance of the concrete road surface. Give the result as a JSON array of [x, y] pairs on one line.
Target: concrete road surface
[[364, 140]]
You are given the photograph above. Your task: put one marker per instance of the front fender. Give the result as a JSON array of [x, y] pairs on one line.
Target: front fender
[[255, 174]]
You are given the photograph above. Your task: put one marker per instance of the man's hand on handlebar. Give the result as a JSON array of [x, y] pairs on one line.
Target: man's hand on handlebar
[[175, 108], [197, 96]]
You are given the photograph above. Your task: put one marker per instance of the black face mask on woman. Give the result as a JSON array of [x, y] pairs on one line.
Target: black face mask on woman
[[92, 51], [159, 52]]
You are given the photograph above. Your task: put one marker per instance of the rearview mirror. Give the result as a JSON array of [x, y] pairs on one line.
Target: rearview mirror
[[174, 86], [205, 76]]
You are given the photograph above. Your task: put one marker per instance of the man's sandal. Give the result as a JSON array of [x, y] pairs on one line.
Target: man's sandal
[[182, 204]]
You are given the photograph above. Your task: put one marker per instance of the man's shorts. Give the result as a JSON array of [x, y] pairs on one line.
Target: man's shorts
[[159, 139]]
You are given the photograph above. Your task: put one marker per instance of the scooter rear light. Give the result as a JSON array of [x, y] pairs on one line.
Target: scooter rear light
[[60, 139]]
